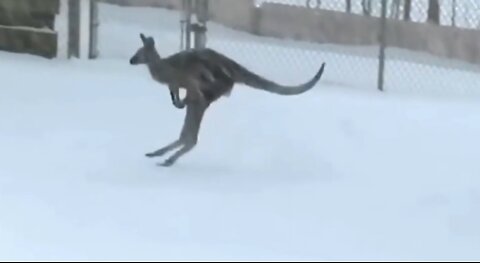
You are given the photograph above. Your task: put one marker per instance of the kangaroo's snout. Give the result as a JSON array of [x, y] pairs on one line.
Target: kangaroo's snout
[[133, 61]]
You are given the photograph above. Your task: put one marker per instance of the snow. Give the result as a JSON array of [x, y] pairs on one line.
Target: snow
[[340, 173], [44, 30]]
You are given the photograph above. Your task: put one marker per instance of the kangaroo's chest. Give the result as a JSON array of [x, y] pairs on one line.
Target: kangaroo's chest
[[159, 76], [173, 78]]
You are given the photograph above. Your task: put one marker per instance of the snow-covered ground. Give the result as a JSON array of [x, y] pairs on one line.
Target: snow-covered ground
[[338, 173]]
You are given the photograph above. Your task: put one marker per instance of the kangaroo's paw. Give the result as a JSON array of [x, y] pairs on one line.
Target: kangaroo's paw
[[167, 163], [150, 155], [156, 154]]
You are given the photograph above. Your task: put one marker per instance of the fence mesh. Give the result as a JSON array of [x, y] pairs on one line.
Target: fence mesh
[[158, 19], [459, 13], [432, 46], [423, 54], [290, 60], [438, 56]]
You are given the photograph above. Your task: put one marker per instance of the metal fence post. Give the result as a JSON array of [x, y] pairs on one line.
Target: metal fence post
[[94, 24], [383, 44], [185, 24], [200, 28], [74, 29]]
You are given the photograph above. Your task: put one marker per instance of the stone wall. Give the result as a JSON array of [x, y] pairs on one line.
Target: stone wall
[[27, 26]]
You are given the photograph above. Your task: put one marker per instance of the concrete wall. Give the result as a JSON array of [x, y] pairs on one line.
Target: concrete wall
[[323, 26], [28, 26], [240, 14], [446, 42]]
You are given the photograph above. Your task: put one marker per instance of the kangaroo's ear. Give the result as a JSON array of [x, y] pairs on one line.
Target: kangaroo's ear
[[147, 41], [143, 38]]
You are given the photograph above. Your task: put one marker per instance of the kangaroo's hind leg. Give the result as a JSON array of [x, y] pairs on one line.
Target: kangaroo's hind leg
[[164, 150], [190, 131]]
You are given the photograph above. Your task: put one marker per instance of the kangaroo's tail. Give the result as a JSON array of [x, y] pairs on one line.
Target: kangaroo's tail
[[245, 76]]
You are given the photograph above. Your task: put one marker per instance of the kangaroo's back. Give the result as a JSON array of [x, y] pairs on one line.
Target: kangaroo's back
[[212, 69], [218, 73], [227, 68]]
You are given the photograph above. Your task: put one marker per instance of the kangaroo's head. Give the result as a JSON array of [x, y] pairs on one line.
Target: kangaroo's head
[[147, 53]]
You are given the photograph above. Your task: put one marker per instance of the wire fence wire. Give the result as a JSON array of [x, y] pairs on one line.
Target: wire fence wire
[[431, 47], [290, 61], [458, 13], [445, 56]]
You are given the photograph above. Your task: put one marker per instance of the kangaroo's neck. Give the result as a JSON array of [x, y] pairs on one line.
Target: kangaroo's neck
[[159, 69], [153, 56]]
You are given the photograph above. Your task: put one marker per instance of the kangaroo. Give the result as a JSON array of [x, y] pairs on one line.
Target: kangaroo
[[166, 73], [208, 76]]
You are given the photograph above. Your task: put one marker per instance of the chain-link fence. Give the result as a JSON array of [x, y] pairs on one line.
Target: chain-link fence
[[434, 48], [415, 46], [429, 46]]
